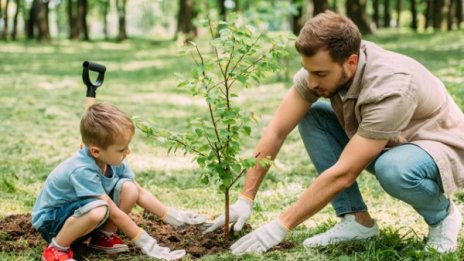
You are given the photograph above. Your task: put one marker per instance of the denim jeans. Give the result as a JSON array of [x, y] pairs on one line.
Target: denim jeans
[[405, 172]]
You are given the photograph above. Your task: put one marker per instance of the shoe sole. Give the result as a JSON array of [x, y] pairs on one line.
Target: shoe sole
[[111, 250]]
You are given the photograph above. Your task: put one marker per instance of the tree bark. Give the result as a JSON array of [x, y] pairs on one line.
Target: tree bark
[[185, 18], [356, 12], [437, 14], [121, 6], [83, 10], [106, 8], [42, 21], [320, 6], [296, 19], [386, 13], [449, 14], [6, 19], [414, 15], [222, 10], [14, 33], [399, 7], [459, 12], [376, 14]]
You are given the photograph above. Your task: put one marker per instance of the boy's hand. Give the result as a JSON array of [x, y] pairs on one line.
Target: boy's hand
[[181, 218], [240, 211], [149, 246]]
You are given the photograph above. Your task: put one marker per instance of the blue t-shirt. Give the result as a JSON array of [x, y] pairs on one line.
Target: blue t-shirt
[[76, 178]]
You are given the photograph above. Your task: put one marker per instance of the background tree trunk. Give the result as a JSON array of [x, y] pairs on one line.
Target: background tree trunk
[[185, 18], [437, 13], [42, 21], [376, 14], [320, 6], [297, 19], [6, 23], [386, 13], [106, 8], [121, 6], [83, 9], [356, 11], [222, 10], [399, 7], [414, 15], [14, 33], [459, 12], [449, 14]]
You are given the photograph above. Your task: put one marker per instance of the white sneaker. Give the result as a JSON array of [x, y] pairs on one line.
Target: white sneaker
[[444, 237], [346, 230]]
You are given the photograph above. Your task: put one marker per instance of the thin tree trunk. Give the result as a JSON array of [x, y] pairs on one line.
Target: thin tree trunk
[[106, 7], [222, 10], [6, 19], [386, 13], [376, 15], [121, 6], [184, 19], [356, 11], [296, 19], [320, 6], [14, 33], [399, 7], [414, 15], [83, 8], [459, 13], [226, 221], [42, 21], [31, 22], [437, 14]]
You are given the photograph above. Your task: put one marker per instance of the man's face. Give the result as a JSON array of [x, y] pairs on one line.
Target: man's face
[[327, 77], [116, 153]]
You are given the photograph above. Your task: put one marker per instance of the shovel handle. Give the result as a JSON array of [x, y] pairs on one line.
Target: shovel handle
[[95, 67]]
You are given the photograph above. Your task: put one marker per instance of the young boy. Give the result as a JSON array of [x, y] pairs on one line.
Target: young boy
[[94, 190]]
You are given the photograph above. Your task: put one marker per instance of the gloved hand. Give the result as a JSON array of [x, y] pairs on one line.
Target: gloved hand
[[239, 212], [180, 218], [149, 246], [260, 240]]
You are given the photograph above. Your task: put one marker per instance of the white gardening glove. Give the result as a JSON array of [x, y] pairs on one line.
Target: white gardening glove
[[239, 213], [260, 240], [149, 246], [181, 218]]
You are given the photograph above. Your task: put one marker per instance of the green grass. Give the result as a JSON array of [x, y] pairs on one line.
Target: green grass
[[42, 99]]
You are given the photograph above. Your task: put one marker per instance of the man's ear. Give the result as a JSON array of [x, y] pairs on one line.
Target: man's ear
[[352, 63], [94, 151]]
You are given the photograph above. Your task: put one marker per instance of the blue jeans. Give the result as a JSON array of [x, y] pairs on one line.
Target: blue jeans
[[405, 172]]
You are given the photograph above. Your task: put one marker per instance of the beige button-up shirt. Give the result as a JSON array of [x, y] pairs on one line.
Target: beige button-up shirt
[[396, 98]]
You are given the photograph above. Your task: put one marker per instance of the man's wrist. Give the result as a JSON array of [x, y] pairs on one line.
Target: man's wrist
[[245, 197]]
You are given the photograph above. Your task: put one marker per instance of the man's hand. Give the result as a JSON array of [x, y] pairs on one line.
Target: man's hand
[[260, 240], [149, 246], [239, 213], [181, 218]]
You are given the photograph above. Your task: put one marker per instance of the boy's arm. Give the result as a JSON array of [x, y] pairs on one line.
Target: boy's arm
[[121, 219], [150, 203], [174, 217]]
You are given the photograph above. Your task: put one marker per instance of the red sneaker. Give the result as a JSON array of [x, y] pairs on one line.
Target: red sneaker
[[51, 253], [109, 244]]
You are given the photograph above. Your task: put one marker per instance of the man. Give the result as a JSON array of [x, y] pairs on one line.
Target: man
[[387, 114]]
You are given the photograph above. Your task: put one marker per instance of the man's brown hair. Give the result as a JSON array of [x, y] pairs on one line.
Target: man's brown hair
[[102, 124], [332, 32]]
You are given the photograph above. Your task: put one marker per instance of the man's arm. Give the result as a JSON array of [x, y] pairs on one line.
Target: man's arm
[[358, 153], [288, 115]]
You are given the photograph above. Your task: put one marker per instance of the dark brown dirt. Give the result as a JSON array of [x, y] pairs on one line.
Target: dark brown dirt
[[17, 234]]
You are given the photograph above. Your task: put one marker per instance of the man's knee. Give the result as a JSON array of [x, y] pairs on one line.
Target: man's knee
[[317, 111]]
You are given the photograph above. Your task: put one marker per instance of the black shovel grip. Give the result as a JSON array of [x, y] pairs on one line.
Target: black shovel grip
[[92, 87]]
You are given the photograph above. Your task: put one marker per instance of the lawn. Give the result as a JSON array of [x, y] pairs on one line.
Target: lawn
[[42, 99]]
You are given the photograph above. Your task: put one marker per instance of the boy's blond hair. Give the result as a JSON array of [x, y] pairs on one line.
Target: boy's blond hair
[[102, 124]]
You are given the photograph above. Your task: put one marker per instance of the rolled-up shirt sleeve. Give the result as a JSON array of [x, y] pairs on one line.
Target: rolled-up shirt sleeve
[[300, 83], [385, 114]]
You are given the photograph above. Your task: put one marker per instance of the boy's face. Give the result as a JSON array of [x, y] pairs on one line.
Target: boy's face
[[113, 154]]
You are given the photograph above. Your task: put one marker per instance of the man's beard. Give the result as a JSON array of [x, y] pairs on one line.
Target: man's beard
[[343, 83]]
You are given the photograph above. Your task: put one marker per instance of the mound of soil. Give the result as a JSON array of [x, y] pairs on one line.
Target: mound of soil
[[17, 234]]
